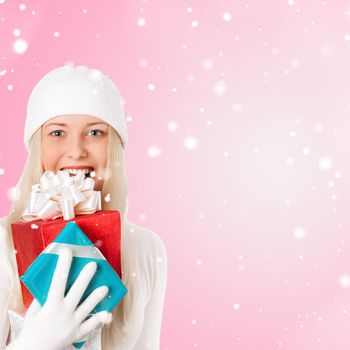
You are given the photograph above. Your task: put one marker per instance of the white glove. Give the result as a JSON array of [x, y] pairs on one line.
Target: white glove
[[59, 322]]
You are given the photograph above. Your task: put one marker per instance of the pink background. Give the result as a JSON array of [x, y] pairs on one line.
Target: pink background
[[238, 154]]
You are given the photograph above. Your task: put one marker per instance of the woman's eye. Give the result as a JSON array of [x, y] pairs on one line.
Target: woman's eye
[[55, 132], [97, 131]]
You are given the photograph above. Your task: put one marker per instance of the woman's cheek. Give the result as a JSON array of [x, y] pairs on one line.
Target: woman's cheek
[[99, 149], [49, 152]]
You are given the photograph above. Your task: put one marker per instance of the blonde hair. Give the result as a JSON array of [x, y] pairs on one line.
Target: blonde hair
[[115, 184]]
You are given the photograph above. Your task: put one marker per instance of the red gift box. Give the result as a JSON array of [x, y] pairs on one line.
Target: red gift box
[[31, 238]]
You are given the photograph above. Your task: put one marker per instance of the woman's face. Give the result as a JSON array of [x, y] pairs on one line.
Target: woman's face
[[73, 141]]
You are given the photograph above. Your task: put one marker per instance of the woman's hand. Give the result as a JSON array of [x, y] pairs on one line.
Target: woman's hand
[[60, 322]]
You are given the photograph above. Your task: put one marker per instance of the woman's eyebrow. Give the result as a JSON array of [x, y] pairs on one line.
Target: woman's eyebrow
[[63, 124]]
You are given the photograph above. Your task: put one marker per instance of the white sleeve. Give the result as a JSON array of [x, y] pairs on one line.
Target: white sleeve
[[15, 346], [5, 287], [150, 335], [4, 321]]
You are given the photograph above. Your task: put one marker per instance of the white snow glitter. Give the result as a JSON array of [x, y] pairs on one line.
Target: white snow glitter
[[207, 64], [299, 232], [141, 22], [220, 88], [20, 46], [16, 32], [290, 161], [172, 126], [190, 142], [154, 151], [325, 163], [95, 75], [305, 151], [194, 24], [344, 281], [226, 16], [143, 63], [13, 194]]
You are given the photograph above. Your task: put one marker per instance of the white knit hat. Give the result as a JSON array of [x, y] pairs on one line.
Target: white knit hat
[[75, 90]]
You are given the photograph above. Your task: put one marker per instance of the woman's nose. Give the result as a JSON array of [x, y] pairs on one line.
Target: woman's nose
[[77, 149]]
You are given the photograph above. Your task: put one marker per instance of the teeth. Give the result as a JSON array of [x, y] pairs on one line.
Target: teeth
[[75, 171]]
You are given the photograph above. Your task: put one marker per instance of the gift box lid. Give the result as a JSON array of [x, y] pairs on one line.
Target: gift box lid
[[103, 228]]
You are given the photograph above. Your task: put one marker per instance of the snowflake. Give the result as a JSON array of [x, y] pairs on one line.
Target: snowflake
[[141, 22], [226, 16], [299, 232], [190, 143], [154, 151], [20, 46], [16, 32], [325, 163], [220, 88], [194, 24], [172, 126], [236, 306]]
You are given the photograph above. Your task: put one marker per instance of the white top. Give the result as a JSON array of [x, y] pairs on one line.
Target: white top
[[144, 273]]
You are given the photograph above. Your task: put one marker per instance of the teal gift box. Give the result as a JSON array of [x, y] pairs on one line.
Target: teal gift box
[[38, 276]]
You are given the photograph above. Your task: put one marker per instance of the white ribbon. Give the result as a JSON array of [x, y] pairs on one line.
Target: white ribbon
[[78, 251], [60, 195]]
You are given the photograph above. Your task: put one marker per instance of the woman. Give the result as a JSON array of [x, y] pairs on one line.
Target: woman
[[75, 119]]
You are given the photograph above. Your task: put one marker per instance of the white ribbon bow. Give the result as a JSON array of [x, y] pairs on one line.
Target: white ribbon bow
[[62, 195]]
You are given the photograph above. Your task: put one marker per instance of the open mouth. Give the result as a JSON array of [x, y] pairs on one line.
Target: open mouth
[[88, 172]]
